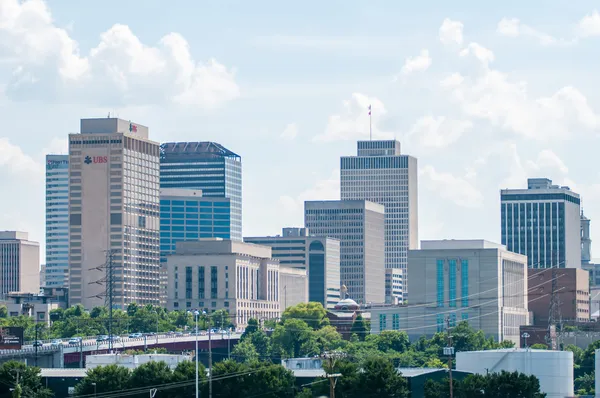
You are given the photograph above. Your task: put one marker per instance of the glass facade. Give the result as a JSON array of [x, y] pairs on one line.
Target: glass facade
[[464, 283], [543, 224], [440, 322], [57, 220], [191, 218], [382, 322], [440, 283], [452, 283], [396, 321], [205, 166]]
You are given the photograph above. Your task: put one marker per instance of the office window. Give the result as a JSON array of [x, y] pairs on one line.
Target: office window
[[396, 321], [440, 322], [452, 283], [188, 282], [382, 322], [213, 282], [201, 283], [440, 283], [464, 282]]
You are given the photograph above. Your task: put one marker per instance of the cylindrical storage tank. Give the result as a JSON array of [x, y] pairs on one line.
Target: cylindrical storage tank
[[554, 369]]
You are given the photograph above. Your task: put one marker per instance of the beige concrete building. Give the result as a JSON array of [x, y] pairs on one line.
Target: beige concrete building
[[113, 212], [461, 280], [215, 274], [293, 286], [19, 263]]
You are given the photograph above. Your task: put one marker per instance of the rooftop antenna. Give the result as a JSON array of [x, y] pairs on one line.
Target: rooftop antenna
[[370, 125]]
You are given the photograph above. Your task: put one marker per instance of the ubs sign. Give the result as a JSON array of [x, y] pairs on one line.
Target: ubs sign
[[95, 159]]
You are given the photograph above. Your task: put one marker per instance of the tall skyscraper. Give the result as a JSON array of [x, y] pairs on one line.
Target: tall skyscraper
[[205, 166], [542, 222], [586, 240], [318, 255], [19, 263], [359, 225], [381, 174], [113, 213], [57, 220]]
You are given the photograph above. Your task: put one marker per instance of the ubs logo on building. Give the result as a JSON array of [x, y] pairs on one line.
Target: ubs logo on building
[[95, 159]]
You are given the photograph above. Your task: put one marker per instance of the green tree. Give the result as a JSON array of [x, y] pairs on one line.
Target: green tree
[[539, 346], [244, 351], [151, 374], [98, 312], [17, 392], [30, 380], [220, 319], [258, 379], [390, 340], [103, 379], [3, 311], [250, 328], [313, 314], [587, 361], [132, 309], [305, 393], [379, 378], [494, 385], [186, 371], [293, 338], [585, 384], [577, 354], [359, 328], [262, 343]]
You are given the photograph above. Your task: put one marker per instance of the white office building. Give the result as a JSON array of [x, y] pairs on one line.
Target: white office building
[[461, 280], [19, 263], [113, 214], [381, 174], [393, 286], [542, 222], [359, 225], [57, 221], [216, 274], [318, 256]]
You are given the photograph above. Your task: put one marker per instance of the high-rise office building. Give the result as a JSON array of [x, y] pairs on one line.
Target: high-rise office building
[[461, 280], [205, 166], [543, 223], [359, 225], [57, 220], [240, 278], [113, 213], [19, 263], [318, 255], [187, 215], [381, 174]]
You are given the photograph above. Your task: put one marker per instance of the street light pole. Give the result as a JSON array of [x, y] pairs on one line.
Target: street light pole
[[209, 356], [196, 315]]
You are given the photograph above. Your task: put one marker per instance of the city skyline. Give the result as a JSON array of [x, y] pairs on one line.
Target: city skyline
[[453, 96]]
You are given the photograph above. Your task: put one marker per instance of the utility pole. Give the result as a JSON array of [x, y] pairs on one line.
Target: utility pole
[[332, 357], [108, 282], [449, 350]]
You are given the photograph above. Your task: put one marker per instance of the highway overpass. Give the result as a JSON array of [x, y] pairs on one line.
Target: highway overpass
[[73, 355]]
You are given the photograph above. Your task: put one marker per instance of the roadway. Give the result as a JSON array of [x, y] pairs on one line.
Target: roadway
[[123, 342]]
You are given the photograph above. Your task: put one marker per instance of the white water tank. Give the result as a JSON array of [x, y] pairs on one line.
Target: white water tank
[[554, 369]]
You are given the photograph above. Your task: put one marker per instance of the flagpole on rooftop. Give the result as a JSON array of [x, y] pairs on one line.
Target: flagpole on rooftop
[[370, 126]]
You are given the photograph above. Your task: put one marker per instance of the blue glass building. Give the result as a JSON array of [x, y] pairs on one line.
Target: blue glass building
[[57, 220], [205, 166], [186, 215]]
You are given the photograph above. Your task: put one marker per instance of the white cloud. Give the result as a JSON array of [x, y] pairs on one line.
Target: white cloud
[[353, 122], [589, 25], [484, 55], [451, 32], [119, 69], [548, 160], [452, 80], [290, 132], [16, 161], [438, 132], [492, 96], [514, 28], [57, 146], [420, 63], [455, 189], [324, 189]]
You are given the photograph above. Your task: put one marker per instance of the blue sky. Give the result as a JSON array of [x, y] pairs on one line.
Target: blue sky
[[484, 95]]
